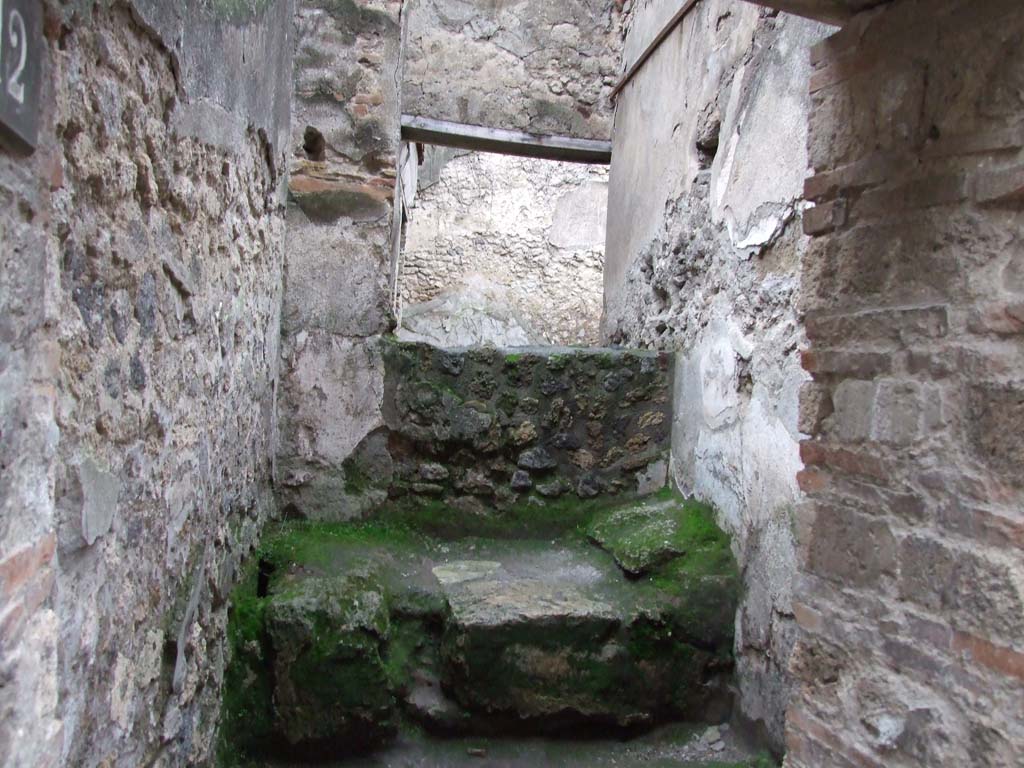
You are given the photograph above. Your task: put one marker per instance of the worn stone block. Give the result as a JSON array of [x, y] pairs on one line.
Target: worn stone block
[[886, 325], [1001, 186], [854, 403], [100, 492], [978, 593], [996, 428], [330, 686], [864, 365], [825, 217], [848, 547]]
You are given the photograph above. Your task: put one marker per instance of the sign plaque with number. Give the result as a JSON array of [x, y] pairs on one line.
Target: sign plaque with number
[[21, 32]]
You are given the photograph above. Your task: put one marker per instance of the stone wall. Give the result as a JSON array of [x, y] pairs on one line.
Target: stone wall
[[912, 595], [486, 428], [470, 434], [141, 278], [537, 65], [170, 251], [533, 227], [337, 302], [704, 254]]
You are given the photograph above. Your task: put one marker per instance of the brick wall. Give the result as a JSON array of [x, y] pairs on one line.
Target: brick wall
[[911, 600]]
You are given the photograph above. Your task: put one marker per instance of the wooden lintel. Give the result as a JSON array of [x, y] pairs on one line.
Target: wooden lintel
[[497, 140]]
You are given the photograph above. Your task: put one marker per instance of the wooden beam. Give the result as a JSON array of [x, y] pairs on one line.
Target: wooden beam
[[835, 12], [480, 139], [660, 38]]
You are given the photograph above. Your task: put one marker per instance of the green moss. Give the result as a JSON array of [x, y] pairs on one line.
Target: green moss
[[354, 610], [414, 644], [247, 720], [357, 482], [239, 10], [355, 17], [340, 668], [331, 689], [530, 517], [558, 362], [703, 588], [761, 761], [320, 545], [661, 529]]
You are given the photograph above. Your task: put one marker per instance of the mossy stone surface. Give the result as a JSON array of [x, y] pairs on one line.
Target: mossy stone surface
[[247, 715], [553, 634], [528, 517], [338, 629], [331, 686], [655, 531], [577, 422]]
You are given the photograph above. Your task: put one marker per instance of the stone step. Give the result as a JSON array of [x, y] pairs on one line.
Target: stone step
[[557, 635], [360, 626]]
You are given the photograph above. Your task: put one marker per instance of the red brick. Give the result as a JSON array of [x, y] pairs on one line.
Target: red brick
[[1000, 318], [811, 481], [1005, 661], [870, 171], [866, 365], [821, 186], [913, 195], [23, 565], [373, 99], [818, 454]]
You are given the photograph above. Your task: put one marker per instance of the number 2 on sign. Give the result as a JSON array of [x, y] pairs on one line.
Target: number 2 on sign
[[19, 44]]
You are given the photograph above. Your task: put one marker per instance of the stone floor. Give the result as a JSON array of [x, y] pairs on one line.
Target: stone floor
[[675, 746]]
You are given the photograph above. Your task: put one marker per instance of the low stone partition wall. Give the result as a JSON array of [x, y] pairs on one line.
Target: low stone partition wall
[[470, 432], [488, 428]]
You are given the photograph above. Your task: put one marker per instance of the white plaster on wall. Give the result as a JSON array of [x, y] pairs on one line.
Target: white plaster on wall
[[534, 229]]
